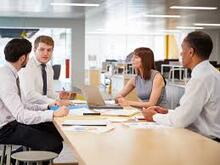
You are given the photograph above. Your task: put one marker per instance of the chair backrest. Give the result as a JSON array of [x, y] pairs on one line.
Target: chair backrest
[[56, 70], [174, 94]]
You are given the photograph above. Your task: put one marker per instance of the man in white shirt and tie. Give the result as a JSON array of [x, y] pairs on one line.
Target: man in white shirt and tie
[[36, 78], [24, 124], [199, 108]]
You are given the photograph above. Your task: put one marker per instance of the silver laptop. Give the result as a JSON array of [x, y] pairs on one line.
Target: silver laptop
[[94, 99]]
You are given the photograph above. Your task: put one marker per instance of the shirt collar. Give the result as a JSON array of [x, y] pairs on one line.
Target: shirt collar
[[13, 69], [199, 68], [37, 62]]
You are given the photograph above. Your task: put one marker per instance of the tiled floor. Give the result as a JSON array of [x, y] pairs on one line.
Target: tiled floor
[[66, 156]]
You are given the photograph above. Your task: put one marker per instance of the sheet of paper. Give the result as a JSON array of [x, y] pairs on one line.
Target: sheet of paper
[[109, 101], [79, 111], [118, 119], [89, 129], [86, 122], [79, 101], [145, 125], [117, 112]]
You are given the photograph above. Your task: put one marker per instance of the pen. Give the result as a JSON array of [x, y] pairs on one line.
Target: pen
[[63, 89], [140, 118], [101, 125], [91, 113]]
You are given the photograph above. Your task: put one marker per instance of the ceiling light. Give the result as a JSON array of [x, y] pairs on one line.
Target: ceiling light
[[76, 4], [207, 24], [162, 16], [193, 8], [189, 27]]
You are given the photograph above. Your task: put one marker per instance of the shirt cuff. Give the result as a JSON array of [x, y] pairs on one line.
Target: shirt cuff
[[48, 116], [44, 106], [162, 119], [50, 101]]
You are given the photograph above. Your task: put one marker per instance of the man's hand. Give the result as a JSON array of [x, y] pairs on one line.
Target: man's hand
[[51, 105], [159, 109], [148, 113], [61, 112], [63, 102], [123, 102]]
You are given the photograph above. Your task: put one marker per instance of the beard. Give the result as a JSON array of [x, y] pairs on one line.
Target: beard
[[23, 65]]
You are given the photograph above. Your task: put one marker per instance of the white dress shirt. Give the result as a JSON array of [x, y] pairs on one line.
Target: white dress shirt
[[199, 108], [11, 106], [32, 84]]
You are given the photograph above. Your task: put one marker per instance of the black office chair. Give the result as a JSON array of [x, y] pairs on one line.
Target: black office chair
[[56, 69]]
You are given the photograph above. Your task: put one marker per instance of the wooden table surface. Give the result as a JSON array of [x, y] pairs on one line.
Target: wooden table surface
[[127, 146]]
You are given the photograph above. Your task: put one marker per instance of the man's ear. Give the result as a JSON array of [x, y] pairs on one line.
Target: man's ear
[[22, 58], [191, 52]]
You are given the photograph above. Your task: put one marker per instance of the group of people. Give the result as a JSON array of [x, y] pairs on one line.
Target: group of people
[[26, 92], [199, 107]]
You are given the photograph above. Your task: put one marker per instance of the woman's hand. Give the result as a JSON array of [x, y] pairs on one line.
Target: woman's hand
[[123, 102]]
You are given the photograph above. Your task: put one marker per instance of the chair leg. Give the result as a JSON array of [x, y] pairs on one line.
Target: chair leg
[[51, 162], [17, 162], [3, 155], [39, 163], [8, 153]]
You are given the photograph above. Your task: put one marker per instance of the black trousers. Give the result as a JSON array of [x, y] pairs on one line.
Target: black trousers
[[217, 139], [43, 136]]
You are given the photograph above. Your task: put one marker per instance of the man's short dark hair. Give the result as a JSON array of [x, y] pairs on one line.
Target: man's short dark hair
[[201, 42], [16, 48]]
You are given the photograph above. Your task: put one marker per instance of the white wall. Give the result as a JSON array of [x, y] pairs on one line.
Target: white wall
[[118, 46], [78, 39]]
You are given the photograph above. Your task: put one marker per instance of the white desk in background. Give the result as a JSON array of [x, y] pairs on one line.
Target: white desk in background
[[174, 67]]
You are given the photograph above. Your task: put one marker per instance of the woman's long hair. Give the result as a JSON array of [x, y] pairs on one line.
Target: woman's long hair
[[147, 61]]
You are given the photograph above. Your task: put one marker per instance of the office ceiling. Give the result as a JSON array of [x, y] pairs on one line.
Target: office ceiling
[[117, 15]]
